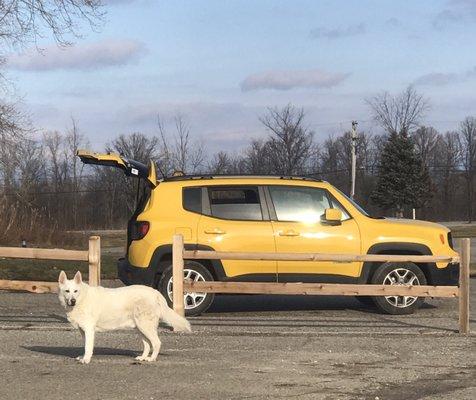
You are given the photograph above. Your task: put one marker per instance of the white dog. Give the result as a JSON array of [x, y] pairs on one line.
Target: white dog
[[95, 309]]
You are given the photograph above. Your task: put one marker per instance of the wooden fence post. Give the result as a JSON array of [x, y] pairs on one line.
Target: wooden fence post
[[464, 286], [94, 259], [177, 274]]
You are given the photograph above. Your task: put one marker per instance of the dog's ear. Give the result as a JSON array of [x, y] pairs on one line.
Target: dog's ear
[[77, 278], [62, 278]]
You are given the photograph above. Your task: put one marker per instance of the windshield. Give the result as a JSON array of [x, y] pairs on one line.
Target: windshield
[[357, 206]]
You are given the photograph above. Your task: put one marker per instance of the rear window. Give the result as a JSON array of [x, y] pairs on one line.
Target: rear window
[[235, 203], [192, 199]]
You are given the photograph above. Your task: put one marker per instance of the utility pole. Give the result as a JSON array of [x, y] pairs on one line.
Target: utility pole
[[353, 145]]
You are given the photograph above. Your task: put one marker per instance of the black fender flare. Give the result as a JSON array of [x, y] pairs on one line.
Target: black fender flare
[[162, 256], [394, 248]]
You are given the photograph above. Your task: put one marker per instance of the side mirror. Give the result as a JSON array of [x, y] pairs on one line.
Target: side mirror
[[332, 216]]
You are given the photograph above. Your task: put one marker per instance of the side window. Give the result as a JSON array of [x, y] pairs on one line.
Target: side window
[[192, 199], [300, 204], [240, 203]]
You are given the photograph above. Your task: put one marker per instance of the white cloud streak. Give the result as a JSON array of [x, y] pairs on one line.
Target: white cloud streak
[[286, 80], [83, 57], [337, 33], [443, 79], [456, 12]]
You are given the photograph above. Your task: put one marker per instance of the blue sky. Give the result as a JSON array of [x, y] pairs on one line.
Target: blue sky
[[221, 63]]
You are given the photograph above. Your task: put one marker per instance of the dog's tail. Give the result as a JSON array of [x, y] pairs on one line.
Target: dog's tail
[[170, 317]]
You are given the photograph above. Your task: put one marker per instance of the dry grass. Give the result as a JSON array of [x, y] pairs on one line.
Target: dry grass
[[464, 230], [48, 270]]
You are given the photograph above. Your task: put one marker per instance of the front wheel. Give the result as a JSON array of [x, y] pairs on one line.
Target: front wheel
[[398, 274], [195, 303]]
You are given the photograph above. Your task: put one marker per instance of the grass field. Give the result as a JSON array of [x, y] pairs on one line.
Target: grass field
[[48, 270]]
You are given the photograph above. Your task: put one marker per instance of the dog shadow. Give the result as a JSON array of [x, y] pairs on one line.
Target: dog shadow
[[73, 352]]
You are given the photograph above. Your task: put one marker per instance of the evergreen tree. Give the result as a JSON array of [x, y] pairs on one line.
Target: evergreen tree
[[403, 180]]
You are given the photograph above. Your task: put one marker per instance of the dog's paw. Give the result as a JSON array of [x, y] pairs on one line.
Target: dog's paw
[[83, 360], [140, 358], [150, 359]]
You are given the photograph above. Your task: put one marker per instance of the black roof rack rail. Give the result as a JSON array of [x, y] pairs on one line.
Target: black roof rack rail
[[237, 176]]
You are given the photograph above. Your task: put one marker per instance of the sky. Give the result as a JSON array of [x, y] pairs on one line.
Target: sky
[[220, 64]]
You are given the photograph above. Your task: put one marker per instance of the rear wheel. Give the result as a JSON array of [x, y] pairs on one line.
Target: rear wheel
[[398, 274], [195, 303]]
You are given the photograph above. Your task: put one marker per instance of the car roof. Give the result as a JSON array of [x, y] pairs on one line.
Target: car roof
[[241, 176]]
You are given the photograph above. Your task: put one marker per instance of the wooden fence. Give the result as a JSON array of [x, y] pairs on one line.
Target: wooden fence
[[91, 256], [461, 291]]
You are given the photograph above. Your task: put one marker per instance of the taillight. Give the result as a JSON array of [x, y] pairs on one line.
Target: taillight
[[141, 229]]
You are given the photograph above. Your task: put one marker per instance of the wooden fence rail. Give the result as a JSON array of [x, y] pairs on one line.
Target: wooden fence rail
[[92, 256], [461, 292]]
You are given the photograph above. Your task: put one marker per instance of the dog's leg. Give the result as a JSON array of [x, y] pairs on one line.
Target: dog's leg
[[149, 330], [84, 339], [146, 351], [88, 345]]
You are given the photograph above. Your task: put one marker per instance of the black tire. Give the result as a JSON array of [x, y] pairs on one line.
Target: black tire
[[194, 268], [367, 301], [398, 305]]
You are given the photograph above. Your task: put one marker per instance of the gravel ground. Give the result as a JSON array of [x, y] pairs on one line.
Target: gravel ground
[[255, 347]]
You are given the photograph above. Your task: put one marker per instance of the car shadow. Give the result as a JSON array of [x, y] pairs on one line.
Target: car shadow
[[277, 303]]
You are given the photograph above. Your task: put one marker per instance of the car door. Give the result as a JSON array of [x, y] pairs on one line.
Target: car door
[[236, 219], [299, 228]]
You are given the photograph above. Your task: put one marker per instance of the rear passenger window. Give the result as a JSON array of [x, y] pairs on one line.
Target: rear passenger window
[[192, 199], [235, 203]]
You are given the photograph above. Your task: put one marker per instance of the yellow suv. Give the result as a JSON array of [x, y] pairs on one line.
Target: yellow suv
[[270, 214]]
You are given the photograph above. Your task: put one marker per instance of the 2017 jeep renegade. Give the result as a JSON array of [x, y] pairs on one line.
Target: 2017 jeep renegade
[[270, 214]]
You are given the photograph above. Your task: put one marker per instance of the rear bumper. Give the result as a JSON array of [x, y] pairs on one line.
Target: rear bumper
[[131, 275], [448, 276]]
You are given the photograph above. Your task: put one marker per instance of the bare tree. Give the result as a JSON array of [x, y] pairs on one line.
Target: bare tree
[[257, 158], [446, 161], [136, 146], [54, 149], [25, 21], [74, 141], [467, 137], [290, 143], [15, 127], [183, 154], [401, 113], [221, 163], [425, 139]]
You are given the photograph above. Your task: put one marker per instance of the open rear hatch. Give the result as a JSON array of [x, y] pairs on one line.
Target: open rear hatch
[[130, 167]]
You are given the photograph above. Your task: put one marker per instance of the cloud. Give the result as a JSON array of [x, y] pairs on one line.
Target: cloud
[[442, 79], [456, 11], [337, 33], [83, 57], [286, 80], [393, 23]]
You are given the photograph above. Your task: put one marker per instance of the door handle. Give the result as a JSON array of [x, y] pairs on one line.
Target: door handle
[[214, 231], [289, 232]]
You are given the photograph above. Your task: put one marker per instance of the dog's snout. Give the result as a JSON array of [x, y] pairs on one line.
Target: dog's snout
[[72, 302]]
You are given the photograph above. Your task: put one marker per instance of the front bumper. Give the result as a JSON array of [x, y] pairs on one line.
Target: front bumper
[[131, 275], [448, 276]]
